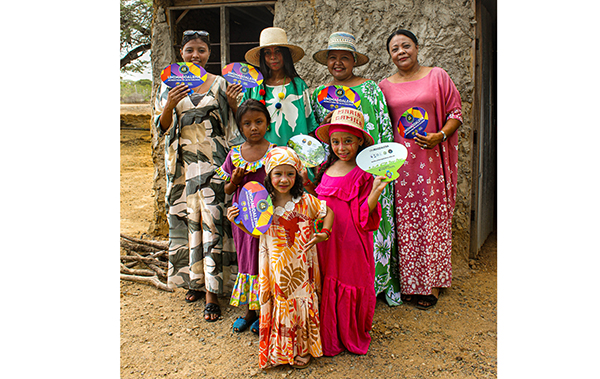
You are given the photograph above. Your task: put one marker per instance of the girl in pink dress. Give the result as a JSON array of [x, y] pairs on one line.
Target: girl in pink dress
[[346, 259]]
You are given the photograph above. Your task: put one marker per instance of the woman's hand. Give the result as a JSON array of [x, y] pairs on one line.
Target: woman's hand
[[232, 213], [429, 141], [175, 95], [232, 92], [327, 118]]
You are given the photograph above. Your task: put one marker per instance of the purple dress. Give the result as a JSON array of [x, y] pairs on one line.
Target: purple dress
[[246, 288], [347, 263]]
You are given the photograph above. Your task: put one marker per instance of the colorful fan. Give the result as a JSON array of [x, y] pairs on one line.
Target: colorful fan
[[413, 120], [187, 73], [256, 208], [334, 97], [241, 73]]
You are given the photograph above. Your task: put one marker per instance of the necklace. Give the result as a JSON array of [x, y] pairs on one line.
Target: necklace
[[289, 206], [281, 95]]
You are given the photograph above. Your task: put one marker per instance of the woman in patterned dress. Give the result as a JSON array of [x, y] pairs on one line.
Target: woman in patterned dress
[[198, 136], [341, 57], [426, 188], [284, 93]]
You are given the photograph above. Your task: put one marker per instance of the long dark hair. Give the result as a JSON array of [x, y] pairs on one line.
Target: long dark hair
[[331, 160], [250, 105], [296, 191], [404, 32], [288, 65]]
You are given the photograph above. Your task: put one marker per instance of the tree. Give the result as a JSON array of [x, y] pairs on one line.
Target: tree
[[136, 20]]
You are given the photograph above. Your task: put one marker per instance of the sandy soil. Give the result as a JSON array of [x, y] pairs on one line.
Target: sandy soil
[[163, 336]]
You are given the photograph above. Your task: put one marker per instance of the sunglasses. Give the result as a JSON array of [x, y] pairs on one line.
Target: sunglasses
[[203, 33]]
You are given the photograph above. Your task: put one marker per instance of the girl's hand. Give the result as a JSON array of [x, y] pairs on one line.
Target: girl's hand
[[429, 141], [232, 92], [238, 174], [378, 186], [318, 237], [232, 213], [175, 95]]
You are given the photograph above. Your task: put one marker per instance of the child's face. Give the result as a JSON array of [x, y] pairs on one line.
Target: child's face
[[254, 125], [283, 178], [345, 145]]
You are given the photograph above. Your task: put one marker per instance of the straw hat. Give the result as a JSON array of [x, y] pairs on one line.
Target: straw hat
[[273, 37], [341, 41], [348, 118]]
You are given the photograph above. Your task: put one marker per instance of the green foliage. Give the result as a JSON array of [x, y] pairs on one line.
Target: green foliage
[[136, 21], [136, 91]]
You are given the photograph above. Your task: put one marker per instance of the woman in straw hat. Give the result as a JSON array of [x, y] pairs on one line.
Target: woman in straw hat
[[341, 57], [346, 258], [284, 93], [426, 189]]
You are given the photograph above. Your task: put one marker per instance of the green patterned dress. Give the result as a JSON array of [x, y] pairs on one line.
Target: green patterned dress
[[201, 251], [379, 126]]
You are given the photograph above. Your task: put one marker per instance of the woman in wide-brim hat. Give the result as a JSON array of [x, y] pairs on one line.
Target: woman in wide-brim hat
[[341, 57], [284, 93]]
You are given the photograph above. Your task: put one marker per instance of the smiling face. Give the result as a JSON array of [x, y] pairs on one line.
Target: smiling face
[[254, 125], [403, 51], [340, 64], [195, 51], [273, 58], [345, 145], [283, 178]]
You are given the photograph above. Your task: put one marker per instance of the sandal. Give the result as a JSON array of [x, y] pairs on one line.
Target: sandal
[[212, 309], [255, 326], [192, 295], [426, 301], [301, 366], [240, 325], [409, 299]]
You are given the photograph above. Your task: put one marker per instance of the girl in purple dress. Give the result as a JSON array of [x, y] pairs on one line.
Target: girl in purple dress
[[243, 164], [346, 259]]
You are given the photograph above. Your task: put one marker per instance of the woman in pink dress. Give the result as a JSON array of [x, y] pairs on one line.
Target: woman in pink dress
[[425, 192], [346, 259]]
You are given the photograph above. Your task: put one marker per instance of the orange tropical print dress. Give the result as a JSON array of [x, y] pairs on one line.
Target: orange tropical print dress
[[290, 284]]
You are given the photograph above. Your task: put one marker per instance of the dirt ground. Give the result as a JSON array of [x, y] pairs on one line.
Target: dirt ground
[[163, 336]]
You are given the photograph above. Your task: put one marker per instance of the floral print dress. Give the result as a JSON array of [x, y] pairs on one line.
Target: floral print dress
[[289, 284]]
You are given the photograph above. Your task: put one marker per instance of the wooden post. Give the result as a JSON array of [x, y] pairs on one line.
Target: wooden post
[[224, 35]]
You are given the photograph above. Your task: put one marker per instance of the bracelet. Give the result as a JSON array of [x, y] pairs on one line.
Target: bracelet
[[441, 131], [307, 183], [326, 231]]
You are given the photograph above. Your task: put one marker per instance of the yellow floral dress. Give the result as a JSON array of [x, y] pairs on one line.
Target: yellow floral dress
[[290, 284]]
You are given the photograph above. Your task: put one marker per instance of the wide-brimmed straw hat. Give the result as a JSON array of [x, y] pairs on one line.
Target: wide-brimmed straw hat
[[341, 41], [273, 37], [349, 119]]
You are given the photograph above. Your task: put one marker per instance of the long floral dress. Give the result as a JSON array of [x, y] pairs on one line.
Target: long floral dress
[[347, 263], [289, 284], [426, 188], [201, 251], [246, 287], [379, 126]]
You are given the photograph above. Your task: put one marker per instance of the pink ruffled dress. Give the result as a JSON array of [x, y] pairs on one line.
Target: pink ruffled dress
[[347, 264]]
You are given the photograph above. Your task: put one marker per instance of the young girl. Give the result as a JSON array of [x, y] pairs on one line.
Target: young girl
[[346, 259], [243, 164], [288, 266], [285, 94]]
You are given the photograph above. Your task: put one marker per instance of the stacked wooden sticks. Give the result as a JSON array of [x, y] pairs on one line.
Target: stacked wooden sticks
[[152, 254]]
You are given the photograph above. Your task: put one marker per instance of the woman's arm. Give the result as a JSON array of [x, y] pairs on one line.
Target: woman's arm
[[432, 139], [174, 97]]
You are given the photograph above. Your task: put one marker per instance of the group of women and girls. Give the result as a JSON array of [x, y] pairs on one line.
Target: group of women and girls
[[309, 291]]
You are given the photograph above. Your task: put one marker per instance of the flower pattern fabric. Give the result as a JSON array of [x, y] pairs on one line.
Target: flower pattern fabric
[[379, 126], [426, 189], [289, 285]]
